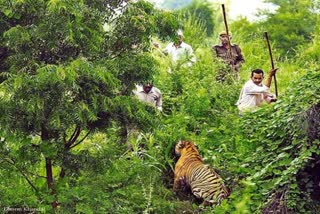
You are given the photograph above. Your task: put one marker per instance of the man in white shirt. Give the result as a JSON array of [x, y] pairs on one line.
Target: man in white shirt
[[149, 94], [180, 52], [254, 92]]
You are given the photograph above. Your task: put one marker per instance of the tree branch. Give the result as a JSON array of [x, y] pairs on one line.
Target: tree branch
[[73, 137], [80, 140], [10, 161]]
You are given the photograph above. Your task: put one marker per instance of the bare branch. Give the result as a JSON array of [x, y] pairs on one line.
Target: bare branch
[[80, 140]]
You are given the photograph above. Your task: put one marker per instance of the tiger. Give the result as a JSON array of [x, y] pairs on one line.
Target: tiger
[[203, 181]]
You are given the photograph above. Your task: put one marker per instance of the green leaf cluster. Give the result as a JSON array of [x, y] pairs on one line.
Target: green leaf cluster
[[67, 73]]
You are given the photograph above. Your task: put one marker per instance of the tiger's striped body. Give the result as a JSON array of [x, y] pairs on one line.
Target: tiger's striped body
[[203, 181]]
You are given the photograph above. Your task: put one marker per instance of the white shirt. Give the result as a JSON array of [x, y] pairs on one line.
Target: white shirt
[[154, 96], [183, 53], [252, 96]]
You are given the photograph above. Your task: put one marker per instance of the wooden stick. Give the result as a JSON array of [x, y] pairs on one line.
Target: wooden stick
[[272, 63], [226, 25]]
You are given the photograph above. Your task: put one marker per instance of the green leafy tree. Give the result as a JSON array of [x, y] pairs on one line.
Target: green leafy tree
[[310, 55], [64, 77], [204, 11], [292, 24], [167, 24]]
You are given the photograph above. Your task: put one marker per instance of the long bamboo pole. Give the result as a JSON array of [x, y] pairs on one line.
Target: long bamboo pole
[[271, 61], [226, 25]]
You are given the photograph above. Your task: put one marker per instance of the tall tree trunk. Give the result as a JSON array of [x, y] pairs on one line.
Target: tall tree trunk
[[50, 183]]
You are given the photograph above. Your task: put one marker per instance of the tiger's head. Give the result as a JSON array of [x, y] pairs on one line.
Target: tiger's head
[[185, 146]]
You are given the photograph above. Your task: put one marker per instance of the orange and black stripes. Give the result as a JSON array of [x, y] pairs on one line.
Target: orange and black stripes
[[204, 182]]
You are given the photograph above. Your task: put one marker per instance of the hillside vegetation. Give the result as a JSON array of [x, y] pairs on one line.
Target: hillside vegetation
[[74, 139]]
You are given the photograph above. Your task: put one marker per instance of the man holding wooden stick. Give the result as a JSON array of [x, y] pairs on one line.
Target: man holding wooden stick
[[254, 92], [230, 53]]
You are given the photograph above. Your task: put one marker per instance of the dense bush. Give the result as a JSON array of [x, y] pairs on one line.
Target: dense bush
[[66, 100], [283, 142]]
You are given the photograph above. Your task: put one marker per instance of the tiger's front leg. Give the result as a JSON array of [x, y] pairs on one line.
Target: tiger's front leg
[[179, 183], [176, 184]]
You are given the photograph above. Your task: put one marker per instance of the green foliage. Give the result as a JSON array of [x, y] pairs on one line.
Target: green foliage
[[57, 97], [130, 31], [277, 157], [144, 70], [60, 86], [302, 14], [36, 39], [67, 72], [127, 184], [310, 55], [193, 27], [166, 24], [204, 11]]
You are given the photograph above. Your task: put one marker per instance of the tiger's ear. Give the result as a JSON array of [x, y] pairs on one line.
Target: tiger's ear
[[182, 144], [179, 146]]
